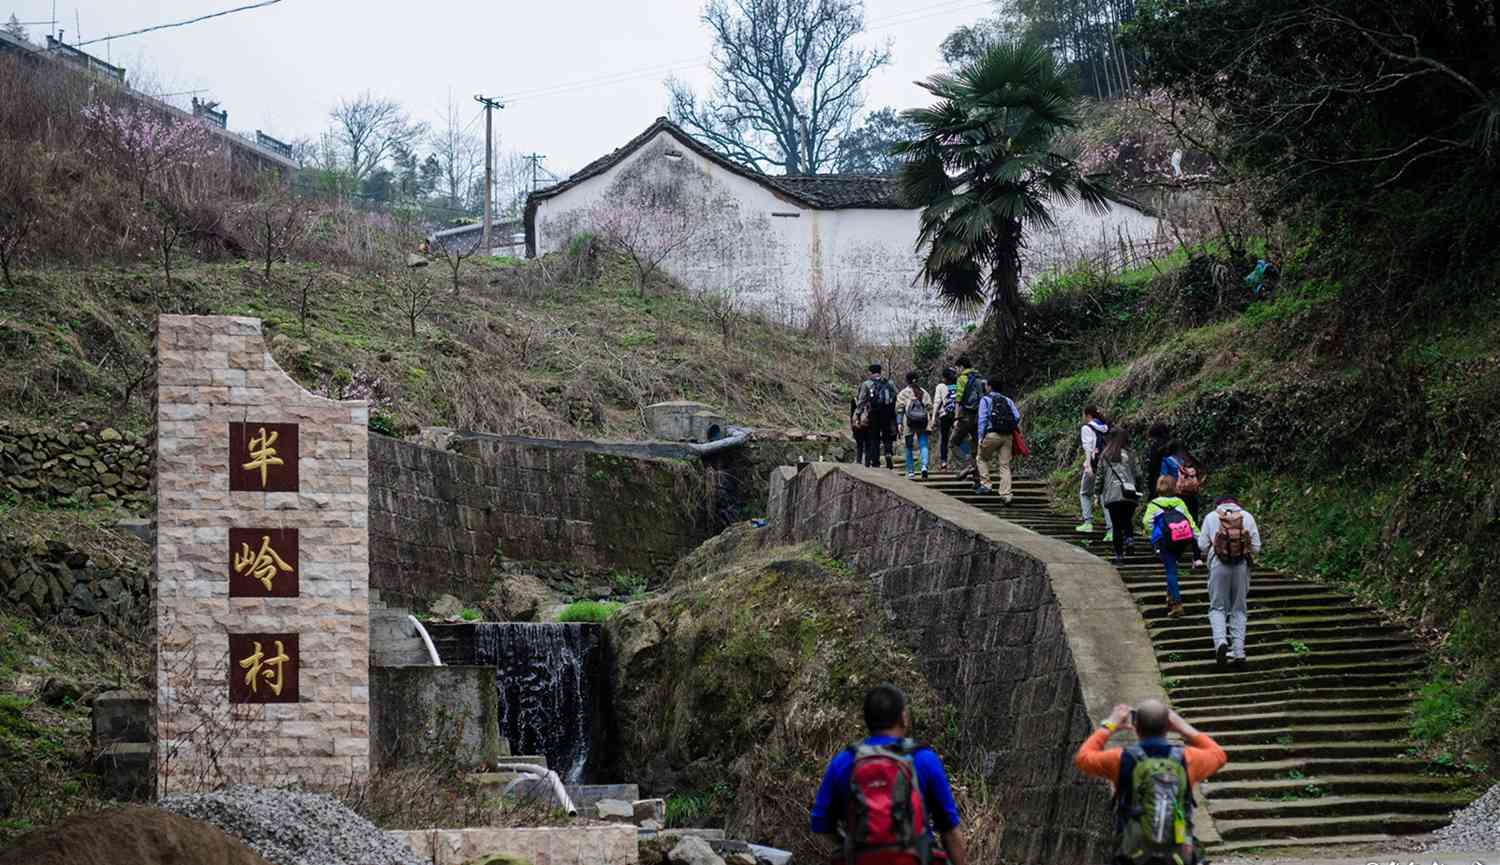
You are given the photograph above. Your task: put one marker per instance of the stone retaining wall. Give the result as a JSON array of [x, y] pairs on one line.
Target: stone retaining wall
[[58, 582], [435, 522], [80, 466], [439, 518], [1030, 639]]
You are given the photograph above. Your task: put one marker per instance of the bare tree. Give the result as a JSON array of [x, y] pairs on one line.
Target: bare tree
[[411, 290], [460, 156], [21, 201], [655, 208], [368, 128], [178, 205], [277, 220], [455, 252], [788, 77]]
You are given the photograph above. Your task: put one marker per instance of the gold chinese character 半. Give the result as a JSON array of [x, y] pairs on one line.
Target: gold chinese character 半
[[263, 454], [260, 666], [262, 564]]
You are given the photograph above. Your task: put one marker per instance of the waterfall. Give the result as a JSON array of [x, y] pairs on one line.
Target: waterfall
[[544, 678]]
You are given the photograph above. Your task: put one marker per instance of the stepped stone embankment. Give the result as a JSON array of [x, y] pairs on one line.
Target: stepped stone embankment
[[1315, 726]]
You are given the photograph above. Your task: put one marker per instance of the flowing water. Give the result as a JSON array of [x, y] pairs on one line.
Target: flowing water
[[544, 677]]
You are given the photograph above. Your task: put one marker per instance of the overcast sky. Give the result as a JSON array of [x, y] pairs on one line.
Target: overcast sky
[[280, 68]]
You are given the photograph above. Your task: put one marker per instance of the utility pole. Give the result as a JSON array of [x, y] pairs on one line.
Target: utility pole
[[536, 160], [489, 166]]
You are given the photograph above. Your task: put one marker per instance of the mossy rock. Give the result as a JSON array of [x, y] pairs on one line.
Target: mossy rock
[[500, 859]]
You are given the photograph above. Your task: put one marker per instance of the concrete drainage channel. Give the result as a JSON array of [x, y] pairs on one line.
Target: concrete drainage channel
[[1315, 727]]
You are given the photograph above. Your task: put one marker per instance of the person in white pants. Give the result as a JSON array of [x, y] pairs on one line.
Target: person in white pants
[[1230, 540]]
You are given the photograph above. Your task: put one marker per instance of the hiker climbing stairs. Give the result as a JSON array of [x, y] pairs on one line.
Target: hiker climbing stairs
[[1315, 726]]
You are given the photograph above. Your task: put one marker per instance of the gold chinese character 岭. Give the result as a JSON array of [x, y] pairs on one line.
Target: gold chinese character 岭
[[260, 666], [261, 564], [263, 454]]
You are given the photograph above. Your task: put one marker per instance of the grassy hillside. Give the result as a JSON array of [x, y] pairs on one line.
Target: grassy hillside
[[562, 347], [1367, 447]]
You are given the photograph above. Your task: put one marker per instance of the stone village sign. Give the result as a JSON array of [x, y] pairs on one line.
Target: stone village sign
[[260, 597]]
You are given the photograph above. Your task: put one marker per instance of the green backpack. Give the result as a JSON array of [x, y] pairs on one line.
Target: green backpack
[[1154, 823]]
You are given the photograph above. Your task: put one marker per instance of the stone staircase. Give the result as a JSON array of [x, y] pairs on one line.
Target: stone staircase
[[1315, 726]]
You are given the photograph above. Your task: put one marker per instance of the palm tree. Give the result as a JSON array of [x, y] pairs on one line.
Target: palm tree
[[983, 171]]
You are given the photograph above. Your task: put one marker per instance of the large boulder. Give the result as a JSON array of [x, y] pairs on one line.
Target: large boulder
[[128, 836]]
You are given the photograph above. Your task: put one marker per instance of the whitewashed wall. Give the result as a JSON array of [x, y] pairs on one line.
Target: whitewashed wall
[[860, 261]]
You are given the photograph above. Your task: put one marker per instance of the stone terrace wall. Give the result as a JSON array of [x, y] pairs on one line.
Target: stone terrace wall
[[80, 466], [307, 721], [61, 583], [1031, 639], [435, 522], [438, 517]]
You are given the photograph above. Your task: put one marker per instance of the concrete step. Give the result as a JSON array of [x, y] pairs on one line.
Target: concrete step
[[1369, 748], [1307, 734], [1391, 822], [1289, 846], [1277, 657], [1371, 784], [1274, 770], [1251, 720], [1272, 643], [1411, 804], [1344, 699]]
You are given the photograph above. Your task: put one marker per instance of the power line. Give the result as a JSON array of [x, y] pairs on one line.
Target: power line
[[907, 17], [179, 23]]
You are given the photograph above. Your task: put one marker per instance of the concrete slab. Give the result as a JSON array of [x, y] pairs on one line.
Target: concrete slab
[[597, 845]]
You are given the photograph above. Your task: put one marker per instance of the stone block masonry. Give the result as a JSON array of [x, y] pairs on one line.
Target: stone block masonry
[[1030, 639], [239, 445], [79, 466], [577, 502]]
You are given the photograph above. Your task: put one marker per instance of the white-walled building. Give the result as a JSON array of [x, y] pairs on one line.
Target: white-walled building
[[839, 247]]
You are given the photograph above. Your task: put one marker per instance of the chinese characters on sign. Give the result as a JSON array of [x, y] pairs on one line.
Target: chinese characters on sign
[[263, 563], [263, 668], [263, 457]]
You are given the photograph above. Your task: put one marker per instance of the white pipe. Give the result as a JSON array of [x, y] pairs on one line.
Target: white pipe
[[427, 640], [557, 784], [524, 776]]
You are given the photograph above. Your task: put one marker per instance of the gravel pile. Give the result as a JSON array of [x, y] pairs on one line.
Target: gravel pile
[[1476, 827], [292, 828]]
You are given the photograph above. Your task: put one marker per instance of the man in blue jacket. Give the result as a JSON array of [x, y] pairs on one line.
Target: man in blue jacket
[[998, 419], [887, 720]]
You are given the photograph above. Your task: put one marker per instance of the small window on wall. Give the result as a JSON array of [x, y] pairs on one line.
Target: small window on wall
[[786, 215], [673, 154]]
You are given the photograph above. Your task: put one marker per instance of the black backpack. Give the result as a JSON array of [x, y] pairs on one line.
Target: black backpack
[[973, 393], [1002, 421], [883, 394]]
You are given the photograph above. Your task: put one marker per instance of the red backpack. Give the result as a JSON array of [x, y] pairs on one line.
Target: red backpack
[[887, 820]]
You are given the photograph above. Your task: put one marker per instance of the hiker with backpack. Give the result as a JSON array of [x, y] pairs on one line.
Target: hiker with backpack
[[1160, 447], [1153, 782], [970, 386], [944, 399], [1173, 533], [913, 412], [888, 794], [998, 420], [1189, 489], [1091, 436], [1117, 483], [875, 417], [1231, 541]]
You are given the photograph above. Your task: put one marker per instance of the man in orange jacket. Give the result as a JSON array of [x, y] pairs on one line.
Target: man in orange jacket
[[1152, 721]]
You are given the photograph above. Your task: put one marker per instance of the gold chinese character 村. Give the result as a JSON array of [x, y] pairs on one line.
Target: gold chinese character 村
[[260, 666], [263, 454], [262, 564]]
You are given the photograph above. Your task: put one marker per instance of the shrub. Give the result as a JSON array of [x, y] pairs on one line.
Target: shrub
[[588, 611]]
